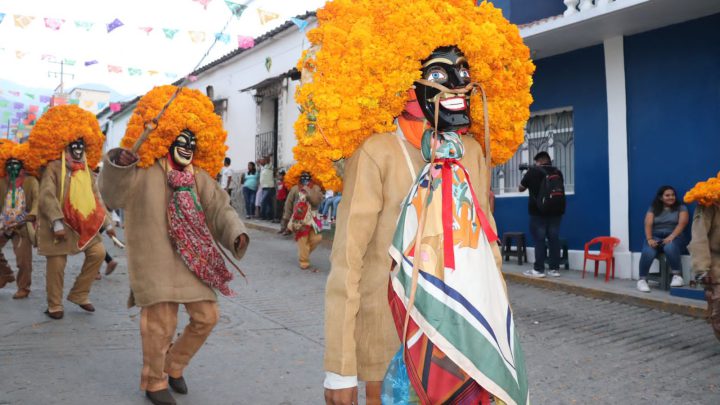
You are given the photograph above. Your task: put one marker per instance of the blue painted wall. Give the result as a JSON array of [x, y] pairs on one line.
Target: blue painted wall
[[525, 11], [502, 4], [673, 101], [575, 79]]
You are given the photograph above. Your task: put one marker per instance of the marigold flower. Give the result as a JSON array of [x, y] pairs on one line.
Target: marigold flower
[[191, 110], [368, 53], [60, 126]]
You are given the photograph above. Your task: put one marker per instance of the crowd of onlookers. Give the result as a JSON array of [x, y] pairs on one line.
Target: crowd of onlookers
[[264, 192]]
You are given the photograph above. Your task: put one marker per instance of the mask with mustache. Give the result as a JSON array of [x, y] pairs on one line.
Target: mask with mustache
[[183, 148], [448, 67]]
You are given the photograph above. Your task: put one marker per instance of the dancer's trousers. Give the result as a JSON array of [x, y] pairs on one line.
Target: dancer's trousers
[[162, 357], [80, 292], [23, 257], [305, 246]]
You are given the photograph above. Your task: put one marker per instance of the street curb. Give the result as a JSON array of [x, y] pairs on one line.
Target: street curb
[[559, 285]]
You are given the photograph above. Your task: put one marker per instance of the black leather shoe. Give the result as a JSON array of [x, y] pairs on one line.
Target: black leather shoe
[[178, 385], [54, 315], [162, 397]]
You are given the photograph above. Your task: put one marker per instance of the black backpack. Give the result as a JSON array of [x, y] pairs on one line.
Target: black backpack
[[550, 199]]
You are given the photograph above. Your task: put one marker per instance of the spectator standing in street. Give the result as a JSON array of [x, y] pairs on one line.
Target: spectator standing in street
[[249, 183], [226, 176], [664, 224], [302, 203], [267, 184], [546, 207]]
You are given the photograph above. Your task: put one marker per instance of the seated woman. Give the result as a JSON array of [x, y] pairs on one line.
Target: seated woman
[[664, 223]]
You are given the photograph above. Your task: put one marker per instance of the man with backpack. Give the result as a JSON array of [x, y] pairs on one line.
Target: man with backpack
[[546, 207]]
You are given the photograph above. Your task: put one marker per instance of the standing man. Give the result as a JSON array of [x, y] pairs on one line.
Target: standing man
[[19, 208], [298, 218], [175, 215], [267, 184], [226, 177], [69, 143], [546, 207]]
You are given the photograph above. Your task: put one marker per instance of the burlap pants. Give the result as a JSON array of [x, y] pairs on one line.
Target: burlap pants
[[80, 292], [162, 357], [23, 258], [305, 246]]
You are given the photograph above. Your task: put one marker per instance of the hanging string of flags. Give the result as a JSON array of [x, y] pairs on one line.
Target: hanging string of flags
[[195, 36], [131, 71]]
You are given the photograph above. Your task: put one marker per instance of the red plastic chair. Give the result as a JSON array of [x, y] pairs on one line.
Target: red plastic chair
[[607, 245]]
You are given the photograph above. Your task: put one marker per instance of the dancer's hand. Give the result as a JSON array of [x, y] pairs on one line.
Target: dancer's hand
[[344, 396], [111, 233], [126, 158], [241, 241], [60, 235]]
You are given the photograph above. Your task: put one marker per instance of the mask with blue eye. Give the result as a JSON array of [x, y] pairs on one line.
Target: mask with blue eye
[[305, 179], [448, 67]]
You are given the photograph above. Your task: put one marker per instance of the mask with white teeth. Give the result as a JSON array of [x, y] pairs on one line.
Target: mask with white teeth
[[448, 67], [76, 149], [183, 148]]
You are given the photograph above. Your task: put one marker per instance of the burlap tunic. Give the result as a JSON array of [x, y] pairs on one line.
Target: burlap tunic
[[51, 210], [360, 336], [157, 273], [705, 244], [31, 188]]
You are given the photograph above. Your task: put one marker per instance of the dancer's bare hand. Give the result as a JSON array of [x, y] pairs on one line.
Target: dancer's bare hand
[[111, 233], [59, 235], [344, 396], [126, 158], [241, 241]]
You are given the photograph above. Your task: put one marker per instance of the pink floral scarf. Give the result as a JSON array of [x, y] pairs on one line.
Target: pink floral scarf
[[190, 234]]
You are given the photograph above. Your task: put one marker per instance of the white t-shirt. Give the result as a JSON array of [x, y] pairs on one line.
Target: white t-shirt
[[225, 174]]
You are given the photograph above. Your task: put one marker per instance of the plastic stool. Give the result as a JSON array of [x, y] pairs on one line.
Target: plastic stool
[[521, 248]]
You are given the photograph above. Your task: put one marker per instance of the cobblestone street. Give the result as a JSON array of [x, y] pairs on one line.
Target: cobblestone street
[[267, 347]]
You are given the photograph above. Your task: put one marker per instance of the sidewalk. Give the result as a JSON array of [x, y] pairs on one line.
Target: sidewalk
[[571, 281]]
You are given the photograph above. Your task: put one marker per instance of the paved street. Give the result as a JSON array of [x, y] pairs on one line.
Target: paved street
[[267, 348]]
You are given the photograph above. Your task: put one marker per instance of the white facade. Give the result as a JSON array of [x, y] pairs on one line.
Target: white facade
[[244, 119]]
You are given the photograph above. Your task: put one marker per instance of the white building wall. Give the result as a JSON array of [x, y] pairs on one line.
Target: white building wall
[[243, 118], [246, 70]]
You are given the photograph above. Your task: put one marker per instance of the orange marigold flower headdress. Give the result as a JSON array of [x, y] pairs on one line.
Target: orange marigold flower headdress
[[705, 192], [367, 55], [191, 110], [60, 126], [21, 152]]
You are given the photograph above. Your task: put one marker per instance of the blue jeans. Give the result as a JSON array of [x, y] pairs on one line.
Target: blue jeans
[[671, 250], [541, 228], [266, 203], [249, 195], [328, 203]]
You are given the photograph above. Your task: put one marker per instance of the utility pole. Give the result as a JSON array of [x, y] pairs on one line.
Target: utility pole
[[60, 91]]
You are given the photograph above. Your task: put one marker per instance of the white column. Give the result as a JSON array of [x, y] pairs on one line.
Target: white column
[[618, 153]]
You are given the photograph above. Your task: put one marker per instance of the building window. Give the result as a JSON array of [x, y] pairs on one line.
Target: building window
[[550, 131]]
